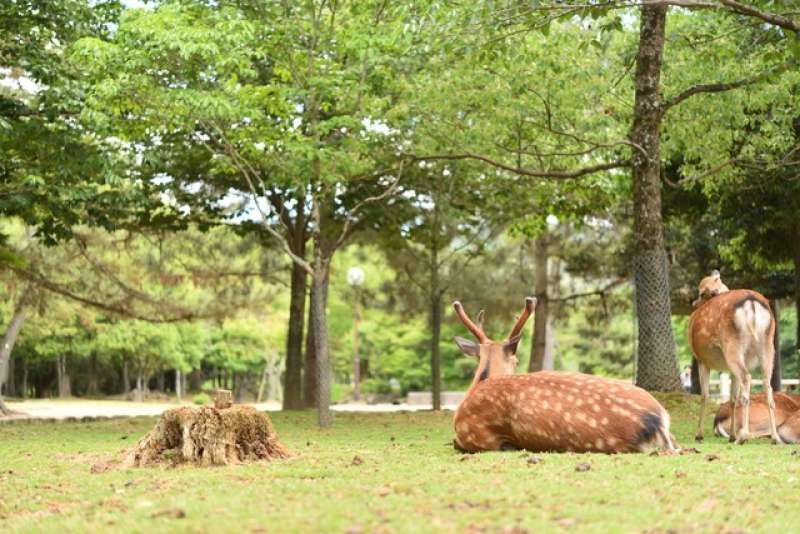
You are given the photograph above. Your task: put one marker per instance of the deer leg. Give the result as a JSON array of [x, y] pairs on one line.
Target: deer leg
[[703, 373], [732, 402], [743, 400], [767, 362]]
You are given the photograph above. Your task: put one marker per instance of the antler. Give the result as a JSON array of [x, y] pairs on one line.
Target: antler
[[476, 331], [530, 304], [479, 319]]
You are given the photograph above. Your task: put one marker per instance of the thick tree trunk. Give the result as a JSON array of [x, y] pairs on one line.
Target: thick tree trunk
[[775, 379], [162, 382], [540, 339], [657, 367], [436, 334], [9, 339], [293, 385], [320, 326], [797, 285]]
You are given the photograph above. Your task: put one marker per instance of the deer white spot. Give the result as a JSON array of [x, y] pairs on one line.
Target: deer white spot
[[596, 408], [598, 443], [570, 398], [592, 423], [604, 421], [567, 417], [545, 405]]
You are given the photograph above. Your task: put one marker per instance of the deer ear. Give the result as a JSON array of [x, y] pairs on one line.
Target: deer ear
[[715, 273], [510, 344], [470, 348]]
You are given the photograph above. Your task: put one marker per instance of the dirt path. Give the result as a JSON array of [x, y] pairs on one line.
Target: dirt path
[[65, 409]]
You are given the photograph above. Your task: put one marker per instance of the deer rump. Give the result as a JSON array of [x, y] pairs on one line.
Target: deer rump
[[561, 412], [787, 418]]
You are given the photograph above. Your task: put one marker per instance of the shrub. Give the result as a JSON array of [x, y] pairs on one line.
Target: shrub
[[201, 399]]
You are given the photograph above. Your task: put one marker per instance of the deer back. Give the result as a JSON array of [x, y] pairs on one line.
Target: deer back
[[559, 411]]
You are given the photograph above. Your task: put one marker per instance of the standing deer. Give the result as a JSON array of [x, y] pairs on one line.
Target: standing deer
[[550, 411], [732, 331]]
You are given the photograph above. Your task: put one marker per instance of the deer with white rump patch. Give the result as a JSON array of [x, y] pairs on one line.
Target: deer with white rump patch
[[550, 411], [733, 331]]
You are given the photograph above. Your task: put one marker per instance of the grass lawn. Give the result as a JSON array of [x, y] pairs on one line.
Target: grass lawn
[[394, 473]]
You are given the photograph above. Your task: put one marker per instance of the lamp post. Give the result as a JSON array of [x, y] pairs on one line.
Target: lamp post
[[355, 277]]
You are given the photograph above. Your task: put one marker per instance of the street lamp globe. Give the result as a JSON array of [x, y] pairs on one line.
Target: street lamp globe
[[355, 276]]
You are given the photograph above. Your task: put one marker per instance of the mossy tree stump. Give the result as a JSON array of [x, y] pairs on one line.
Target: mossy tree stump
[[208, 436]]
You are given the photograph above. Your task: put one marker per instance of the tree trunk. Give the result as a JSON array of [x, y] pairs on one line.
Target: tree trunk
[[178, 385], [541, 317], [24, 378], [262, 383], [64, 388], [657, 367], [139, 397], [162, 382], [11, 385], [126, 379], [320, 326], [196, 379], [293, 381], [436, 334], [92, 387], [695, 378], [9, 339], [797, 285], [775, 379], [310, 372]]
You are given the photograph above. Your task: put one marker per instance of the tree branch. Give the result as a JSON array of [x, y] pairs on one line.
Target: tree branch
[[557, 174]]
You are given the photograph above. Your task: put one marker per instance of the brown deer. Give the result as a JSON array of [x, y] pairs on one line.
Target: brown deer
[[786, 406], [550, 411], [732, 331]]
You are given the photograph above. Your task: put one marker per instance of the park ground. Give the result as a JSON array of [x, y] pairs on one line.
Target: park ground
[[391, 472]]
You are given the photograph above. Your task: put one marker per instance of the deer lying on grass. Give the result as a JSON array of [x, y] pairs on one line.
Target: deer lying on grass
[[732, 331], [550, 411], [786, 407]]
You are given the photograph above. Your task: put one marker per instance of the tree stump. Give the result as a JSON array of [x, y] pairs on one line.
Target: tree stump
[[208, 436]]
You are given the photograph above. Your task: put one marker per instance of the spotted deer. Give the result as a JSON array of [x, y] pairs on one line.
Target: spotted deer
[[786, 419], [733, 330], [549, 411]]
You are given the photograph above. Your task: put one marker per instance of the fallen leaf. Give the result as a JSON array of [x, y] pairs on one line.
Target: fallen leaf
[[533, 460], [583, 467], [712, 457], [173, 513], [680, 474], [357, 460], [384, 491]]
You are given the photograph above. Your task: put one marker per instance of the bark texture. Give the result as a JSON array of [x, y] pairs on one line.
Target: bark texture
[[436, 334], [539, 342], [208, 436], [320, 326], [657, 367], [9, 339], [293, 382], [797, 283]]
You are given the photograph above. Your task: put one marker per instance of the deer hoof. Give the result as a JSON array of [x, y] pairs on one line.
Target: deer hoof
[[777, 441], [698, 438], [741, 441]]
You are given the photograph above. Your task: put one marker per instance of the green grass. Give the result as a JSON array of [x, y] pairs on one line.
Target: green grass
[[409, 480]]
